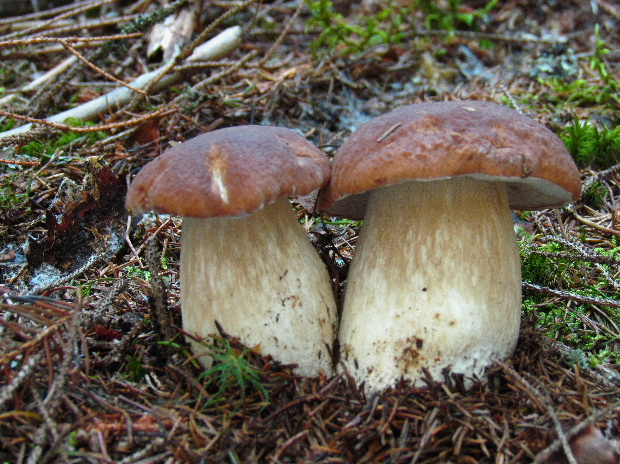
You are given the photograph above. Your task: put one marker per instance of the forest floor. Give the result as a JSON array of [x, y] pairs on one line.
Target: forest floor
[[93, 366]]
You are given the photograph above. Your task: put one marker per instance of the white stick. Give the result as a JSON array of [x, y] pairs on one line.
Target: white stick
[[43, 79], [216, 48]]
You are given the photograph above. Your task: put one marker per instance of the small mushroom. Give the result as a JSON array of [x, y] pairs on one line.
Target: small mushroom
[[245, 259], [435, 283]]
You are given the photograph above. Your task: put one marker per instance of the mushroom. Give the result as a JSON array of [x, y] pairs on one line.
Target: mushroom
[[245, 259], [435, 283]]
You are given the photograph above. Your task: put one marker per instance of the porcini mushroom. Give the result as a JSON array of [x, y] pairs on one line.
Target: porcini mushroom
[[435, 282], [245, 259]]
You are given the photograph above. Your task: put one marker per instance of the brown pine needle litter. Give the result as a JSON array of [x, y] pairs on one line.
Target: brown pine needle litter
[[94, 366], [65, 396]]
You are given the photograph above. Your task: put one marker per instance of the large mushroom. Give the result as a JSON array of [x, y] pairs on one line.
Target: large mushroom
[[245, 259], [435, 283]]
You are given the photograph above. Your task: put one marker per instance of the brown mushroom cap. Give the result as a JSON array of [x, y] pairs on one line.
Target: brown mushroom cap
[[229, 172], [428, 141]]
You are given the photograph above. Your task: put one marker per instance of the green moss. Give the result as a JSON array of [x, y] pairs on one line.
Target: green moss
[[45, 149], [594, 196], [7, 124], [604, 356], [578, 325], [357, 36], [11, 195], [546, 271], [390, 24], [567, 326], [452, 17], [578, 93], [565, 93], [591, 146]]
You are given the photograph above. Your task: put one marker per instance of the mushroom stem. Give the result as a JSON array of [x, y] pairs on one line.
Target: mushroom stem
[[261, 279], [435, 283]]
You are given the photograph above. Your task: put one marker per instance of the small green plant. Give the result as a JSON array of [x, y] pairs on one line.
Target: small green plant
[[598, 64], [138, 272], [231, 370], [178, 347], [86, 288], [134, 368]]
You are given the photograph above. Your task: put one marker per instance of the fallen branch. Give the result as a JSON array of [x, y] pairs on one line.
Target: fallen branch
[[101, 127], [216, 48], [592, 224], [570, 296], [51, 75], [65, 40]]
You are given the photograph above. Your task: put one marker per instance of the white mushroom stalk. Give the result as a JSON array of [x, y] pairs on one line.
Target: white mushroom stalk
[[246, 262], [435, 283], [261, 279]]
